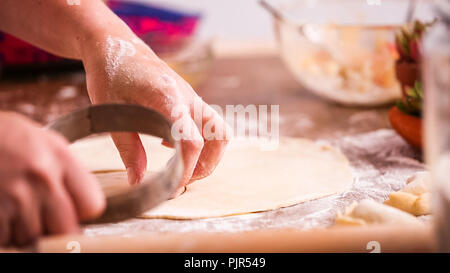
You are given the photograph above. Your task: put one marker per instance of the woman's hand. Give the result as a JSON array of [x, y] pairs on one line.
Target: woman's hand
[[125, 70], [43, 189], [121, 69]]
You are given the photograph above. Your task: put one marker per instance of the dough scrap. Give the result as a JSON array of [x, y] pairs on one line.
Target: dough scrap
[[418, 184], [247, 179], [415, 197], [370, 212], [401, 207]]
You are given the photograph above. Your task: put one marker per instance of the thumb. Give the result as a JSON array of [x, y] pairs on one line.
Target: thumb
[[133, 155]]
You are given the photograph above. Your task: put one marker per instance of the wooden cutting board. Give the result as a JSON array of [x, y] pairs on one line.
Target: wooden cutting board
[[337, 239]]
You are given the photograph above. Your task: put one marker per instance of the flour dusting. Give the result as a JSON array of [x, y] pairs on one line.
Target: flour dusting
[[168, 81], [116, 50], [381, 163]]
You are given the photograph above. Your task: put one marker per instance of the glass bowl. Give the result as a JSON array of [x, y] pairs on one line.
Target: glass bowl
[[192, 61], [343, 50]]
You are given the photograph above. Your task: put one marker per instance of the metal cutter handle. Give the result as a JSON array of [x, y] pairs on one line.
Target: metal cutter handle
[[126, 118]]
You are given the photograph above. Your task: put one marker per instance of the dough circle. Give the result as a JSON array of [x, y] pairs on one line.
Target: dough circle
[[247, 179]]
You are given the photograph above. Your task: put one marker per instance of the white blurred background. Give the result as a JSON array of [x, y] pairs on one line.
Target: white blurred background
[[246, 20], [228, 20]]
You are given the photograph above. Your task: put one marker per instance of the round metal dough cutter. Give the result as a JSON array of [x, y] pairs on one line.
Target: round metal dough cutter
[[105, 118]]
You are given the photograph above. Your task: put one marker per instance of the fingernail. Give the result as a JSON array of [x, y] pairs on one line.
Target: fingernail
[[133, 177], [178, 192]]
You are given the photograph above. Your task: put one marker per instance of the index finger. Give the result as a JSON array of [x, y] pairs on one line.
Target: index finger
[[216, 133], [185, 131]]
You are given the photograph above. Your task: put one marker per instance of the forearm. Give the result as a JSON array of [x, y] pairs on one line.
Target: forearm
[[60, 28]]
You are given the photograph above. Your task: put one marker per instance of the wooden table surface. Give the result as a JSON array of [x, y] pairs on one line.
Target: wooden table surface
[[258, 80]]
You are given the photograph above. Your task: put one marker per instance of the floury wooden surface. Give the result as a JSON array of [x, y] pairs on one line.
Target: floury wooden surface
[[258, 81], [375, 239]]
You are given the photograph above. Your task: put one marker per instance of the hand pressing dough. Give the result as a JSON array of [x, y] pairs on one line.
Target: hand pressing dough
[[247, 179]]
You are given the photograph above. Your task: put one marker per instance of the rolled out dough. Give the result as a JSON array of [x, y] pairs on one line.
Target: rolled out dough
[[247, 179]]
